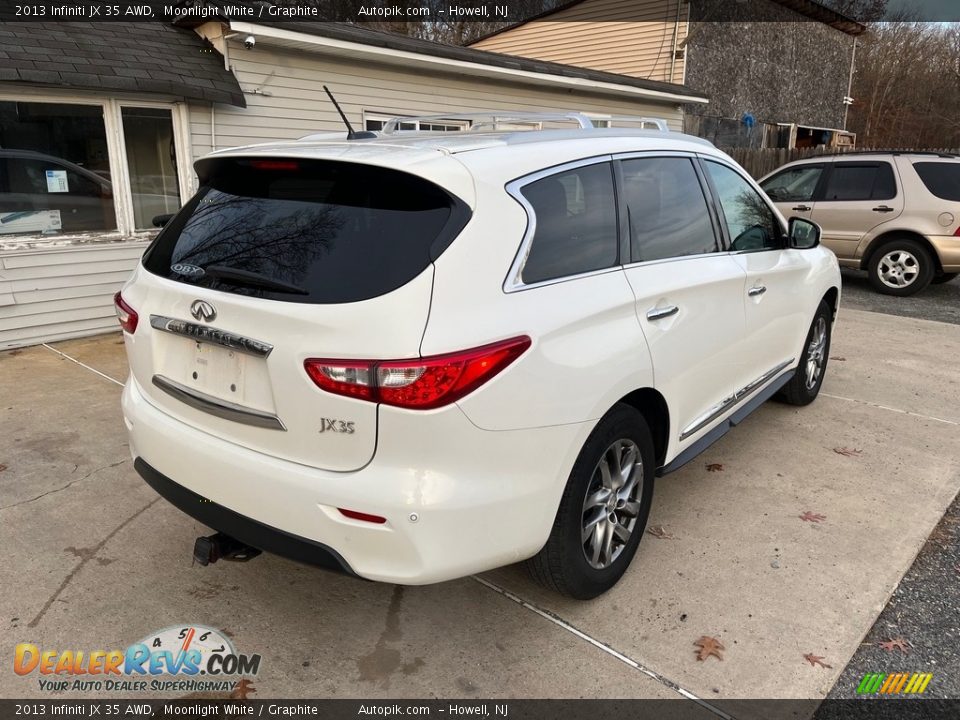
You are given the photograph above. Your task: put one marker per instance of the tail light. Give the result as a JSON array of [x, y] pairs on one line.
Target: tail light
[[956, 233], [125, 314], [419, 383]]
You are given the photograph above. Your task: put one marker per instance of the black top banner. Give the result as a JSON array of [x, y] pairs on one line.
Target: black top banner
[[506, 11]]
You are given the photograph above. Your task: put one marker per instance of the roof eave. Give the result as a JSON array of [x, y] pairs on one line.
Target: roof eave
[[374, 53]]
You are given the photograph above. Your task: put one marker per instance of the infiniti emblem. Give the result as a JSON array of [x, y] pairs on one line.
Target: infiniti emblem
[[202, 310]]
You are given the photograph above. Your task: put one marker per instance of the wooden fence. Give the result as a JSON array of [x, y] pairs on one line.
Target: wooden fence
[[760, 161]]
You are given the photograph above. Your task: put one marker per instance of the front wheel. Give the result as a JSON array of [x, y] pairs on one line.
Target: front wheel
[[603, 511], [804, 386], [901, 267]]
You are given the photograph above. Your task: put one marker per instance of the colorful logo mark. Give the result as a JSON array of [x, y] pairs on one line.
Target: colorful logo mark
[[894, 683]]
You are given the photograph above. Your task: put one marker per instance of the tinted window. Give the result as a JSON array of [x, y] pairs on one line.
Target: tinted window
[[861, 181], [667, 209], [793, 184], [336, 231], [941, 178], [750, 221], [576, 223]]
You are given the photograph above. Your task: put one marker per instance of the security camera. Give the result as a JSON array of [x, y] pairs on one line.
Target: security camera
[[249, 41]]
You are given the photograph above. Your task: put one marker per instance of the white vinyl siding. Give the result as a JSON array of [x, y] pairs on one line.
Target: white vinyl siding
[[56, 294], [635, 38], [291, 102]]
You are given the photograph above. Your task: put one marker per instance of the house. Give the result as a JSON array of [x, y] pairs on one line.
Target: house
[[777, 72], [100, 125]]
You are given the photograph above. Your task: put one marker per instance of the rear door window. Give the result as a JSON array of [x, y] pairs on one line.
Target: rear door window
[[667, 210], [306, 231], [860, 181], [575, 212], [941, 178]]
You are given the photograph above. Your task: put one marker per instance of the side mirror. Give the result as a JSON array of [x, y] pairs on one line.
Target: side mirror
[[803, 233], [161, 220]]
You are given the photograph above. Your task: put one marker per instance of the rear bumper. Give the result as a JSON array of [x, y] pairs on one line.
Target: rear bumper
[[948, 249], [249, 531], [457, 499]]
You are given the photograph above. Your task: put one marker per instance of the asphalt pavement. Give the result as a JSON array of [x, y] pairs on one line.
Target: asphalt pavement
[[937, 302]]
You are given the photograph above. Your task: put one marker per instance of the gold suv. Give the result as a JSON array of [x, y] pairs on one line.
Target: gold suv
[[895, 215]]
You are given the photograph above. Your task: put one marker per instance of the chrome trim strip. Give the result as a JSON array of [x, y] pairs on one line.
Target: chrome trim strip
[[731, 401], [216, 406], [514, 280], [204, 333]]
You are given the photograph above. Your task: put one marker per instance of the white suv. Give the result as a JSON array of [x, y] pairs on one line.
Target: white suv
[[419, 356]]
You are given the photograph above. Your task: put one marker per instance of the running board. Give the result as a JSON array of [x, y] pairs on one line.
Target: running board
[[720, 430]]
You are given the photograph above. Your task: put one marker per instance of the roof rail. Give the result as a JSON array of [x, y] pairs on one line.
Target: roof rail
[[493, 118], [659, 123]]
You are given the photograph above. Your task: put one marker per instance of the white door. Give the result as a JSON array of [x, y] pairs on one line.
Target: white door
[[689, 295], [774, 293]]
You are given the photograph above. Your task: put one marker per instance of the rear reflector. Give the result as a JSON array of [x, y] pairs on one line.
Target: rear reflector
[[419, 383], [125, 314], [366, 517]]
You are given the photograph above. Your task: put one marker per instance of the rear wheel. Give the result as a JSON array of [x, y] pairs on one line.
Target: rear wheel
[[603, 511], [944, 278], [901, 267], [804, 386]]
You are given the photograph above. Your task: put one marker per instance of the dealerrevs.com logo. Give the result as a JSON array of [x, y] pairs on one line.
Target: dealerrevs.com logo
[[182, 658]]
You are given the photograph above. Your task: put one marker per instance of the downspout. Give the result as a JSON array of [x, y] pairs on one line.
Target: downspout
[[846, 105], [213, 127]]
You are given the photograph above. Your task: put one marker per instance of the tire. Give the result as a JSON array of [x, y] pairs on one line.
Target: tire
[[900, 267], [563, 564], [804, 386], [944, 278]]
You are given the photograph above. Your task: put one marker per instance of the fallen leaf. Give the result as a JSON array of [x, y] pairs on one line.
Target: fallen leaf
[[2, 467], [815, 660], [244, 687], [658, 532], [896, 643], [847, 452], [838, 358], [709, 646], [715, 467], [809, 516]]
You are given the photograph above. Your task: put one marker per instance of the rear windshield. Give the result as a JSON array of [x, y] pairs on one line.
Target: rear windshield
[[941, 178], [306, 231]]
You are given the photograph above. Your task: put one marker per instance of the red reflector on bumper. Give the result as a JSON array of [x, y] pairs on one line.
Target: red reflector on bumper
[[365, 517]]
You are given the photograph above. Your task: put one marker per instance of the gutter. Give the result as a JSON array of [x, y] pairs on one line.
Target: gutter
[[379, 54]]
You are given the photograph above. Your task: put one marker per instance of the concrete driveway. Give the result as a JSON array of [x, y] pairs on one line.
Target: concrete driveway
[[94, 559]]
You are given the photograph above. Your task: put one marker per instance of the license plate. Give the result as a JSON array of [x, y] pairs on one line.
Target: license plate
[[217, 371]]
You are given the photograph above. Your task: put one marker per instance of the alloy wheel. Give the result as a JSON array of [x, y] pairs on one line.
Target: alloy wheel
[[816, 353], [898, 269], [611, 505]]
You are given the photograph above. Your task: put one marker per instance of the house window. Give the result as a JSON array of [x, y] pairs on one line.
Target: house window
[[373, 121], [71, 167], [54, 169], [152, 163]]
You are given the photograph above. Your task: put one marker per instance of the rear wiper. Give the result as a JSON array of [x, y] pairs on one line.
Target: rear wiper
[[245, 277]]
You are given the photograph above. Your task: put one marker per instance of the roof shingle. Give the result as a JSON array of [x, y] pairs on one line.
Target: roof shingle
[[152, 58]]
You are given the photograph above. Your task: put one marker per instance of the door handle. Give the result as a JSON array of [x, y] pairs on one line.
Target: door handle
[[883, 209], [802, 208], [663, 312], [757, 290]]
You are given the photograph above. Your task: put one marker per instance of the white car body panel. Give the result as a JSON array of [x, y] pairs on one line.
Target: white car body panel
[[474, 484]]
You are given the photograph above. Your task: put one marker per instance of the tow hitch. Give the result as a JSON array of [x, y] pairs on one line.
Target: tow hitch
[[207, 550]]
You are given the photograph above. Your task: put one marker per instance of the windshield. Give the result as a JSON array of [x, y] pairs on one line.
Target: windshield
[[306, 230]]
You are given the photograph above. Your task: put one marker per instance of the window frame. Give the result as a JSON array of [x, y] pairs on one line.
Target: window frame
[[627, 248], [821, 191], [116, 151], [727, 243], [514, 280]]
